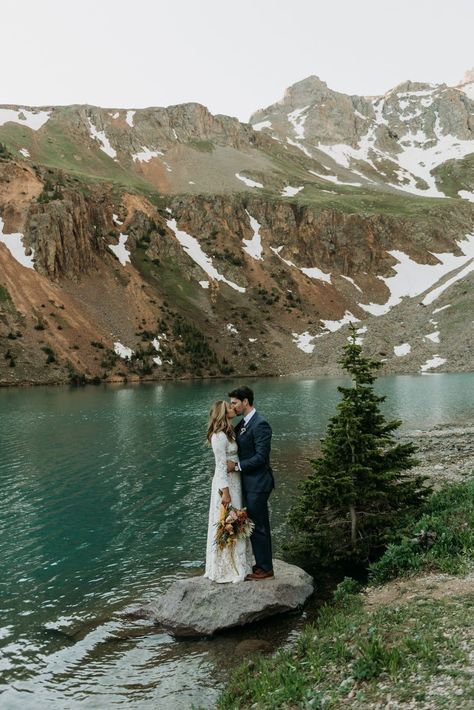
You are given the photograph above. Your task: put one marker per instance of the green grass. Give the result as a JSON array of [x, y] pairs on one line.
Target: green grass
[[202, 146], [456, 175], [167, 278], [358, 656], [442, 540], [54, 147]]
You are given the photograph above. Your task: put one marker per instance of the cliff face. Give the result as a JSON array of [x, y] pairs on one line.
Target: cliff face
[[167, 242]]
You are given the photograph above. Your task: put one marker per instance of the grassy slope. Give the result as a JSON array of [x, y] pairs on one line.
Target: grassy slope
[[56, 148], [415, 649]]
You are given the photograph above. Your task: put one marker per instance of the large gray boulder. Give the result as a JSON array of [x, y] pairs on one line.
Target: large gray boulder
[[197, 607]]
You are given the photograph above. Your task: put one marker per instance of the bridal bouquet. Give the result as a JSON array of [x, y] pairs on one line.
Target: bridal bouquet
[[233, 524]]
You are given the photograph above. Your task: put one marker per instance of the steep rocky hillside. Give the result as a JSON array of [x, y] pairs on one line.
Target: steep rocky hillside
[[167, 242]]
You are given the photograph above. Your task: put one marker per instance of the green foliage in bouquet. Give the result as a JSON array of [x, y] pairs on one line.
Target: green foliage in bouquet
[[359, 494]]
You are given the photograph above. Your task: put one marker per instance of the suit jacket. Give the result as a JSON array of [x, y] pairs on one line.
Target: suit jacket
[[254, 444]]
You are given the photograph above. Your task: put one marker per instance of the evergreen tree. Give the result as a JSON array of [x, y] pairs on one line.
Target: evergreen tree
[[359, 493]]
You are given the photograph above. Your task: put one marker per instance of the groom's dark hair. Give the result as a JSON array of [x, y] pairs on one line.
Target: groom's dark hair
[[242, 393]]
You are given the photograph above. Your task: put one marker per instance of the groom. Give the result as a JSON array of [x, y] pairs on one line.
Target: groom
[[254, 437]]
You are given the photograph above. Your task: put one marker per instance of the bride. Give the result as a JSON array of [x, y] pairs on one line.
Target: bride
[[232, 563]]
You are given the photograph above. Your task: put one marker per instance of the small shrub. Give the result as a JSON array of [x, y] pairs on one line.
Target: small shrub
[[51, 357], [345, 590], [4, 295], [4, 152], [10, 358]]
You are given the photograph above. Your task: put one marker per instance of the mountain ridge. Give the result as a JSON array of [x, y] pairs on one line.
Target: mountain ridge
[[182, 243]]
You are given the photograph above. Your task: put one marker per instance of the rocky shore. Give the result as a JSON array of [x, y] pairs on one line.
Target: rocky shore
[[446, 453]]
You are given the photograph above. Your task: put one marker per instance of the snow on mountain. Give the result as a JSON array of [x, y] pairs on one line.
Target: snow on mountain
[[396, 140], [102, 139], [25, 117]]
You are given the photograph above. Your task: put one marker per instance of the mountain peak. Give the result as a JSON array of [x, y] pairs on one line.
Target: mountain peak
[[308, 89]]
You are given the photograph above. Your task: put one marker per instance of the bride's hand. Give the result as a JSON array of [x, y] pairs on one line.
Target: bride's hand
[[225, 498]]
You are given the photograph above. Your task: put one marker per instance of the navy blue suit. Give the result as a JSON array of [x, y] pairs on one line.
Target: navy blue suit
[[254, 444]]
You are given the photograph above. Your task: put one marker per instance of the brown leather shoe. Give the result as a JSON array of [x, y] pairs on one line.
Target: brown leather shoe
[[259, 574]]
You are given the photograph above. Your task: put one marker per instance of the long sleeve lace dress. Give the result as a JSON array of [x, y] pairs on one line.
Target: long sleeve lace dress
[[225, 565]]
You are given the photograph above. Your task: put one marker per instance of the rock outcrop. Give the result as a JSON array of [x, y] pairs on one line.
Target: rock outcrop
[[198, 607]]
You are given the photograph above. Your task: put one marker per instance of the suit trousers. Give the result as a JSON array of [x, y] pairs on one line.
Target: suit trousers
[[257, 509]]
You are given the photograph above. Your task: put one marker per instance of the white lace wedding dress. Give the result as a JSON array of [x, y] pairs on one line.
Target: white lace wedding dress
[[225, 565]]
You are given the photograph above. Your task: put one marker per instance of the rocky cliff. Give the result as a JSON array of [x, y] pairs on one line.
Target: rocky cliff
[[167, 242]]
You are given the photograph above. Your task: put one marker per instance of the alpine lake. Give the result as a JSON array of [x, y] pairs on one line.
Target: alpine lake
[[104, 502]]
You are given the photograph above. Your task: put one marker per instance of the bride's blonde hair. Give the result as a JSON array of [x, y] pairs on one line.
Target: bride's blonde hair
[[218, 421]]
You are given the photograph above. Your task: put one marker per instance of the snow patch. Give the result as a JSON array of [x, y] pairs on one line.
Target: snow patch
[[333, 325], [232, 329], [261, 125], [466, 195], [438, 310], [129, 118], [432, 363], [120, 251], [24, 152], [315, 273], [468, 89], [145, 155], [412, 279], [204, 284], [116, 220], [252, 340], [402, 350], [248, 181], [434, 337], [433, 295], [14, 244], [31, 119], [334, 179], [303, 341], [312, 272], [297, 120], [291, 191], [157, 345], [192, 247], [122, 351], [102, 139], [253, 246]]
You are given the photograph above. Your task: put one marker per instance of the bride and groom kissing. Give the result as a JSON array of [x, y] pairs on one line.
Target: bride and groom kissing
[[242, 477]]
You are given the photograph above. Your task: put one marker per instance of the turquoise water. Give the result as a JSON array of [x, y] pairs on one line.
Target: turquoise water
[[104, 502]]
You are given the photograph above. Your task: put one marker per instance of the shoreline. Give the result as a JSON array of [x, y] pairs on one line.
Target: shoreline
[[445, 452], [299, 375]]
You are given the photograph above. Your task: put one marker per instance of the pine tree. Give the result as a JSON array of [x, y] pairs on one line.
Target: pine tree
[[359, 493]]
